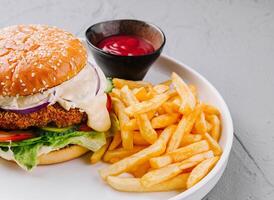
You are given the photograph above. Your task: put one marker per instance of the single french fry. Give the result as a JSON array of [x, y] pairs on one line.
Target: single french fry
[[159, 89], [113, 160], [210, 109], [209, 126], [134, 184], [140, 170], [160, 175], [141, 157], [127, 96], [131, 125], [119, 83], [184, 127], [147, 106], [96, 156], [199, 157], [216, 126], [169, 107], [115, 93], [167, 83], [121, 153], [146, 130], [213, 144], [139, 93], [194, 91], [165, 120], [151, 114], [201, 170], [190, 138], [127, 136], [200, 124], [179, 154], [161, 161], [116, 141], [188, 99], [161, 110], [138, 139], [176, 102], [142, 94]]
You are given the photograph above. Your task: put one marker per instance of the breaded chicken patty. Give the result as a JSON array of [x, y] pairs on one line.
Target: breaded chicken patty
[[54, 114]]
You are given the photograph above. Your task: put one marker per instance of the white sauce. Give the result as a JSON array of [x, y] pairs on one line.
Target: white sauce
[[79, 92]]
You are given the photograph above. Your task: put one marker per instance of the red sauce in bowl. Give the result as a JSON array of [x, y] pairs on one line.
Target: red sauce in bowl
[[126, 45]]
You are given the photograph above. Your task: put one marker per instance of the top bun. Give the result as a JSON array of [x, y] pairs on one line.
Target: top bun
[[34, 58]]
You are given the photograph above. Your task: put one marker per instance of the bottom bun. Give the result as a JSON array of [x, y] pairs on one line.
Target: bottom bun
[[62, 155]]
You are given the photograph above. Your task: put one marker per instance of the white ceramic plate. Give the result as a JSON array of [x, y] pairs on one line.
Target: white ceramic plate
[[78, 179]]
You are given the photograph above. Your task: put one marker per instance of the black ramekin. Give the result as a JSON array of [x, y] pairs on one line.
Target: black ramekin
[[126, 67]]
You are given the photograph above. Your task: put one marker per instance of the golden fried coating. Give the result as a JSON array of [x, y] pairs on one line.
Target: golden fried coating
[[54, 114]]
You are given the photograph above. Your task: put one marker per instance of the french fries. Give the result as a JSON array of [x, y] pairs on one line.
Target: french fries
[[184, 127], [119, 83], [164, 120], [147, 106], [201, 170], [96, 156], [146, 130], [135, 185], [116, 141], [179, 154], [191, 138], [127, 136], [210, 110], [172, 170], [161, 88], [213, 144], [216, 126], [138, 139], [200, 124], [188, 99], [142, 156], [121, 153], [168, 138]]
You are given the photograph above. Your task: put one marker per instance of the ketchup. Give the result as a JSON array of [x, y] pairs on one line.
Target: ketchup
[[126, 45]]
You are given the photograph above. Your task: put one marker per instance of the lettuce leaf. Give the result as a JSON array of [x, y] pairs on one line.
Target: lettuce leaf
[[26, 152]]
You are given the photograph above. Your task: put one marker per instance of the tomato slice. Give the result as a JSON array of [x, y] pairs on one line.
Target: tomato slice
[[84, 127], [6, 136], [109, 104]]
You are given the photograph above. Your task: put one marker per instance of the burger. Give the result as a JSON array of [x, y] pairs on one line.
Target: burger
[[53, 102]]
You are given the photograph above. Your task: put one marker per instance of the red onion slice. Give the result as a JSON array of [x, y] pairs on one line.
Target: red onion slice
[[98, 84], [98, 81], [43, 103], [28, 110]]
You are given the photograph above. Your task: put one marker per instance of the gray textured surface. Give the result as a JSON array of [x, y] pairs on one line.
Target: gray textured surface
[[230, 42]]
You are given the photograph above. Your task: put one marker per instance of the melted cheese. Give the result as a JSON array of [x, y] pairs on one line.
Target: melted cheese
[[79, 92]]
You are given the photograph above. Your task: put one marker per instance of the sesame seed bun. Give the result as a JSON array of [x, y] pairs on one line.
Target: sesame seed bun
[[62, 155], [34, 58]]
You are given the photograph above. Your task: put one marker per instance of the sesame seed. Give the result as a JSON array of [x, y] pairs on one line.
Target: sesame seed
[[2, 83], [32, 74], [7, 77], [25, 90]]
